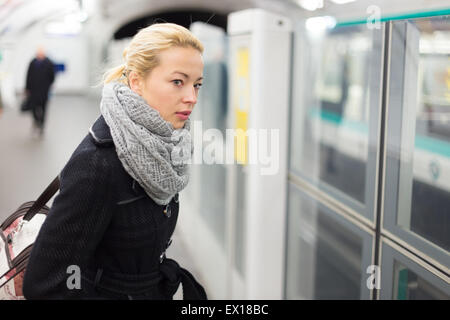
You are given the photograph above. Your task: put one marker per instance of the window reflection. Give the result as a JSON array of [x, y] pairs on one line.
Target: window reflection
[[430, 202], [213, 111], [333, 124], [324, 256]]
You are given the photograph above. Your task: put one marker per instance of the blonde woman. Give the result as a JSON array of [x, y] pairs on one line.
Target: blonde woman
[[118, 204]]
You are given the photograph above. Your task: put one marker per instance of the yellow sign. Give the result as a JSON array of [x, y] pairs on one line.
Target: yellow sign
[[242, 105]]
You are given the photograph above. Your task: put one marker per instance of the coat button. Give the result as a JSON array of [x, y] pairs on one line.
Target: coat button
[[168, 211], [162, 257]]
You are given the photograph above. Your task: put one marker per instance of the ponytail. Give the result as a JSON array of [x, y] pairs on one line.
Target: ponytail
[[115, 74]]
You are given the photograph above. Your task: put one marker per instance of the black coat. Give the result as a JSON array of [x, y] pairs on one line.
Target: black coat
[[103, 222], [40, 76]]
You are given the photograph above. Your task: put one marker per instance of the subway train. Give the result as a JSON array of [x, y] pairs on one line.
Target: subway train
[[342, 189]]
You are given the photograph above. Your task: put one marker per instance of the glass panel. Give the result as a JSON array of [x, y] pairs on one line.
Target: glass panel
[[213, 110], [429, 211], [410, 286], [331, 100], [324, 256], [214, 95]]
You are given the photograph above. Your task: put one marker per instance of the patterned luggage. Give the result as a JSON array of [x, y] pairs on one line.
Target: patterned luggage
[[17, 235]]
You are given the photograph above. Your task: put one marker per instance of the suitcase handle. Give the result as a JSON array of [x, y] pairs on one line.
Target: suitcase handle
[[48, 193]]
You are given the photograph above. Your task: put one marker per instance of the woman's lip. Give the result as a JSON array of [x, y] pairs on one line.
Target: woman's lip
[[187, 112], [182, 116]]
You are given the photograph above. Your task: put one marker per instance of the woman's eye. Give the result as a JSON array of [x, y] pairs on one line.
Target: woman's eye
[[198, 85], [177, 82]]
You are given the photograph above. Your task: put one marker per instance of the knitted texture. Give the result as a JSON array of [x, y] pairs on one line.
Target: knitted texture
[[150, 149]]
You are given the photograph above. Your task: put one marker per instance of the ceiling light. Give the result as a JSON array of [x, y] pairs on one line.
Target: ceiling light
[[310, 5], [318, 25]]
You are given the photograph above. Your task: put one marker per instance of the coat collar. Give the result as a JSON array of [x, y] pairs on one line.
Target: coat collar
[[100, 133]]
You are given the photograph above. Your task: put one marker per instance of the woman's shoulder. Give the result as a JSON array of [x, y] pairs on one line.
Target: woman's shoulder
[[95, 152], [101, 134]]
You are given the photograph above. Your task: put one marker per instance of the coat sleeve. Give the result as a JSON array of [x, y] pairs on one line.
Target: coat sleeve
[[72, 230]]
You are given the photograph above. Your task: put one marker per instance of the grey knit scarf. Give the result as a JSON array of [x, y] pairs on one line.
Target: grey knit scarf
[[149, 148]]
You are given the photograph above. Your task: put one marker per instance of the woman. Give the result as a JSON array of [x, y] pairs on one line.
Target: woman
[[118, 203]]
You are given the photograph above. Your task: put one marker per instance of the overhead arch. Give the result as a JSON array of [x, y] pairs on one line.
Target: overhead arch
[[182, 17]]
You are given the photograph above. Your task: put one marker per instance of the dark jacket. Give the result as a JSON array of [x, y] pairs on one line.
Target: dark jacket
[[40, 76], [103, 223]]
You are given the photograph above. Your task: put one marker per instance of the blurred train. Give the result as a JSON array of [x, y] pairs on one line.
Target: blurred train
[[340, 125], [360, 93]]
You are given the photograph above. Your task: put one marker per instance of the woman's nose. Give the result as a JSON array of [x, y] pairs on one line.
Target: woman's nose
[[191, 96]]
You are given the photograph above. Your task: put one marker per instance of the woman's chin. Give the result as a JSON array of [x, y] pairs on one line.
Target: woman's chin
[[178, 124]]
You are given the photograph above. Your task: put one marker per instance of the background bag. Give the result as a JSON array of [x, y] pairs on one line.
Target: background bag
[[17, 235], [26, 104]]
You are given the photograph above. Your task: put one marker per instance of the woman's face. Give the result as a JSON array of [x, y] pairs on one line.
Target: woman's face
[[172, 87]]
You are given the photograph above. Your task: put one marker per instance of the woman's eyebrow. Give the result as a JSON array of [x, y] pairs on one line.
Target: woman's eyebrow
[[185, 75]]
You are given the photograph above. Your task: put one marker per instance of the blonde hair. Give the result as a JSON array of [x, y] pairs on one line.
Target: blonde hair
[[141, 55]]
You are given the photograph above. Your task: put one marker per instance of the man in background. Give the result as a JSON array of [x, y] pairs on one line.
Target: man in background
[[40, 77]]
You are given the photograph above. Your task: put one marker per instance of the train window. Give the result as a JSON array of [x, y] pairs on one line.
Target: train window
[[335, 105], [430, 208], [327, 257], [418, 138]]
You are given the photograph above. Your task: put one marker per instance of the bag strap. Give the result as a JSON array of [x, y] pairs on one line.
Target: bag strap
[[48, 193]]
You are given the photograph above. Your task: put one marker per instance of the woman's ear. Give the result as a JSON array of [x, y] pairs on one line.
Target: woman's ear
[[135, 82]]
